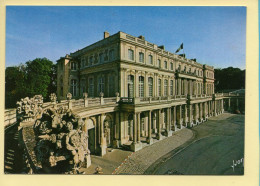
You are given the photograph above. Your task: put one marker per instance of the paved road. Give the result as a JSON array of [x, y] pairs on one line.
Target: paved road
[[218, 145]]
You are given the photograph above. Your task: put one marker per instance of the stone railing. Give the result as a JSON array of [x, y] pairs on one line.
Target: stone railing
[[141, 100], [232, 94], [10, 117]]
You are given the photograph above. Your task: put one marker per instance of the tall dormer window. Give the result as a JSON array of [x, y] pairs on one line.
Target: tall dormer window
[[130, 54]]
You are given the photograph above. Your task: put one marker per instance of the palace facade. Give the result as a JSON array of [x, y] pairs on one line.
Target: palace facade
[[144, 93]]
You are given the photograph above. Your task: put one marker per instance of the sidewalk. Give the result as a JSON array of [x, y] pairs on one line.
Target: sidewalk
[[125, 162]]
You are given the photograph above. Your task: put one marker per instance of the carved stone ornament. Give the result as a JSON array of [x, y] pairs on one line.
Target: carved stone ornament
[[117, 94], [101, 94], [85, 95], [69, 96], [53, 97], [61, 143], [29, 108]]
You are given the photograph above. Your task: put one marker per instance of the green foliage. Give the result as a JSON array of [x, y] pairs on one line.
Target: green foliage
[[35, 77], [229, 79]]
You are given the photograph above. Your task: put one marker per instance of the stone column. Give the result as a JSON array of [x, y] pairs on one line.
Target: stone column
[[185, 121], [174, 118], [134, 128], [174, 87], [190, 122], [103, 145], [204, 111], [200, 112], [222, 106], [196, 113], [179, 86], [168, 128], [229, 108], [179, 116], [138, 127], [136, 145], [149, 138], [116, 141], [159, 122], [136, 84], [215, 108]]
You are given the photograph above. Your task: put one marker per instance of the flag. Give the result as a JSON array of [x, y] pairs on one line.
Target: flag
[[181, 47]]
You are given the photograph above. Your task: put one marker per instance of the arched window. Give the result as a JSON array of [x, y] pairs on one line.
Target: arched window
[[130, 54], [150, 86], [141, 86]]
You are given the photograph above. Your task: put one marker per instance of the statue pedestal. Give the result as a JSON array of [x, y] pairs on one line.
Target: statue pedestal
[[136, 146], [88, 161]]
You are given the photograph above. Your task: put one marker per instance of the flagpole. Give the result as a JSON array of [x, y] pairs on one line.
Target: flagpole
[[183, 50]]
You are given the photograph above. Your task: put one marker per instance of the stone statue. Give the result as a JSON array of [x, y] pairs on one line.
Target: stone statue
[[60, 139]]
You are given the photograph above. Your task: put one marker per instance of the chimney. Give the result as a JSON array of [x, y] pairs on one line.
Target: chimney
[[141, 37], [161, 47], [106, 34]]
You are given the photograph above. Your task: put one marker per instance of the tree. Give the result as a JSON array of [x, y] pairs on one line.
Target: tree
[[35, 77], [229, 79], [39, 76], [14, 85]]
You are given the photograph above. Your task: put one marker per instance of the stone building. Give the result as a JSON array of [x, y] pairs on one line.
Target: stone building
[[158, 92]]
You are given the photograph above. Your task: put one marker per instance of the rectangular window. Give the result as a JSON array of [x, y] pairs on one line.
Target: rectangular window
[[141, 86], [130, 83], [150, 59], [73, 66], [150, 86], [101, 58], [171, 66], [159, 63], [91, 87], [165, 64], [91, 61], [171, 87], [130, 54], [101, 85], [141, 57], [73, 87], [160, 87], [165, 87], [111, 86], [111, 55]]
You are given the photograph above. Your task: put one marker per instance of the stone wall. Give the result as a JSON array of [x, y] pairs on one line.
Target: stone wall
[[10, 117]]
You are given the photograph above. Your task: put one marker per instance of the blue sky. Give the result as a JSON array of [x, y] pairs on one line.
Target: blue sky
[[214, 35]]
